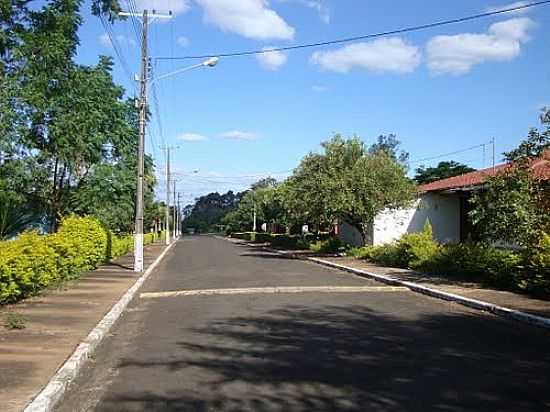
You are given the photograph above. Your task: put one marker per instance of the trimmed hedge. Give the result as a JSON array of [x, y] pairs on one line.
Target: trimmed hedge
[[33, 261], [284, 241]]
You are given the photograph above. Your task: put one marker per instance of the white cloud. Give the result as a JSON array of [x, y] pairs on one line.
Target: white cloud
[[164, 6], [457, 54], [511, 6], [320, 7], [271, 60], [382, 55], [239, 135], [120, 39], [192, 137], [183, 41], [319, 88], [249, 18]]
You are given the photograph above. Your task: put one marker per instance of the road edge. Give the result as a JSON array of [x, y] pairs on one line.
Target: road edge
[[501, 311], [55, 389]]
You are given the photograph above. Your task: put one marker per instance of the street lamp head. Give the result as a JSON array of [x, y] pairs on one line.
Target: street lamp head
[[211, 62]]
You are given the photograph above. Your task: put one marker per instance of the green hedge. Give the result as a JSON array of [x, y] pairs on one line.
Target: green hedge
[[524, 270], [33, 261], [284, 241]]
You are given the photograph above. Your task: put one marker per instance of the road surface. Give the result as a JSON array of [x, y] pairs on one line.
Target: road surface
[[332, 342]]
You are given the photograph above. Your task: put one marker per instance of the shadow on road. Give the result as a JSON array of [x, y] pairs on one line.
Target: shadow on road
[[349, 358]]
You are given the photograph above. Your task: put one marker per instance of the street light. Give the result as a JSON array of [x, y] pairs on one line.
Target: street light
[[138, 239], [210, 62]]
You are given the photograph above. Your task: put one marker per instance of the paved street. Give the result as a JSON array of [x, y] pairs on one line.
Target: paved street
[[368, 348]]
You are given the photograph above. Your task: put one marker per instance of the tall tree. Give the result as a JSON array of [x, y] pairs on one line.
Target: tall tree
[[443, 170], [515, 207], [389, 144], [347, 182]]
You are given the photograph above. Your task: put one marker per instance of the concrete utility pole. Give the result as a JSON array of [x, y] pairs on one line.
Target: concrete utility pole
[[142, 106], [254, 217], [493, 142], [168, 189], [179, 215], [174, 213], [138, 238]]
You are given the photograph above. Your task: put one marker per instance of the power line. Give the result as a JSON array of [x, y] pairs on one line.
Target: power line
[[362, 37], [426, 159], [116, 47]]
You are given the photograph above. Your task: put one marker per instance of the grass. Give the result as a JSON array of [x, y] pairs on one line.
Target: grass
[[14, 321]]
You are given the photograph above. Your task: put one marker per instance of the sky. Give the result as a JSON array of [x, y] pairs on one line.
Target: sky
[[439, 90]]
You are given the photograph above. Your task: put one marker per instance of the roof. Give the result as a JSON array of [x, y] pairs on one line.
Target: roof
[[540, 167]]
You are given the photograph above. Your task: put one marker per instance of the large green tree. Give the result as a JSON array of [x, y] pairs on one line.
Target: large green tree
[[209, 210], [515, 204], [443, 170], [347, 181], [68, 139]]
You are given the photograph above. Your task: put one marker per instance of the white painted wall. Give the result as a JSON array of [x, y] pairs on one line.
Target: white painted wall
[[442, 211]]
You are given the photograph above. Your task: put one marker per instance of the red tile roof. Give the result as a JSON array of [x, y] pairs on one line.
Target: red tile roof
[[541, 169]]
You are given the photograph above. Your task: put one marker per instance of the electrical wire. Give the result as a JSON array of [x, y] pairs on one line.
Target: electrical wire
[[116, 47], [426, 159], [361, 37]]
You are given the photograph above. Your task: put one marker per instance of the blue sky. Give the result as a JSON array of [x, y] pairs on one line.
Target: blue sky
[[439, 90]]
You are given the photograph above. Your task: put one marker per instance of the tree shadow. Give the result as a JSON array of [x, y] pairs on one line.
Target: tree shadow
[[347, 358]]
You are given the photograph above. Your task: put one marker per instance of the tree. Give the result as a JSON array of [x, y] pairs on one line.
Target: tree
[[347, 181], [209, 210], [68, 139], [443, 170], [389, 144], [515, 205]]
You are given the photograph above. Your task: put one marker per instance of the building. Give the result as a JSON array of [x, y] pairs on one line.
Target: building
[[444, 203]]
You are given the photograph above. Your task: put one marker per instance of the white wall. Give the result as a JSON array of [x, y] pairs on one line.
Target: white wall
[[442, 211]]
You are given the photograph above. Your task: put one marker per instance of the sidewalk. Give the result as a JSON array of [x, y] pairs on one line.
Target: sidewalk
[[56, 322]]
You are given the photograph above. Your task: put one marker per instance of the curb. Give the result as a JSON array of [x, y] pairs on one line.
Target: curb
[[501, 311], [53, 392]]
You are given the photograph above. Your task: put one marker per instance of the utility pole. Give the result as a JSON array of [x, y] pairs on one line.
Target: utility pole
[[142, 106], [168, 189], [254, 218], [179, 215], [138, 238], [174, 212], [493, 142], [167, 217]]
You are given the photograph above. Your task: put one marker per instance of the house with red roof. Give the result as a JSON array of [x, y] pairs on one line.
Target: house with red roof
[[444, 203]]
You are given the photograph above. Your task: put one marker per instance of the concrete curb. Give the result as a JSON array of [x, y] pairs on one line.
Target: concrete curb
[[500, 311], [54, 391]]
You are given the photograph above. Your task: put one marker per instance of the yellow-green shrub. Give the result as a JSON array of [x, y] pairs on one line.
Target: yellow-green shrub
[[27, 264], [33, 261]]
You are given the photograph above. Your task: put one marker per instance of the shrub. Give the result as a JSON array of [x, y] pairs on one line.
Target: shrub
[[360, 252], [27, 264], [536, 277], [285, 241], [330, 245], [417, 250], [261, 237], [33, 261]]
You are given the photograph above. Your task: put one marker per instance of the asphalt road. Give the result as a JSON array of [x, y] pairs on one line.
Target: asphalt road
[[374, 350]]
